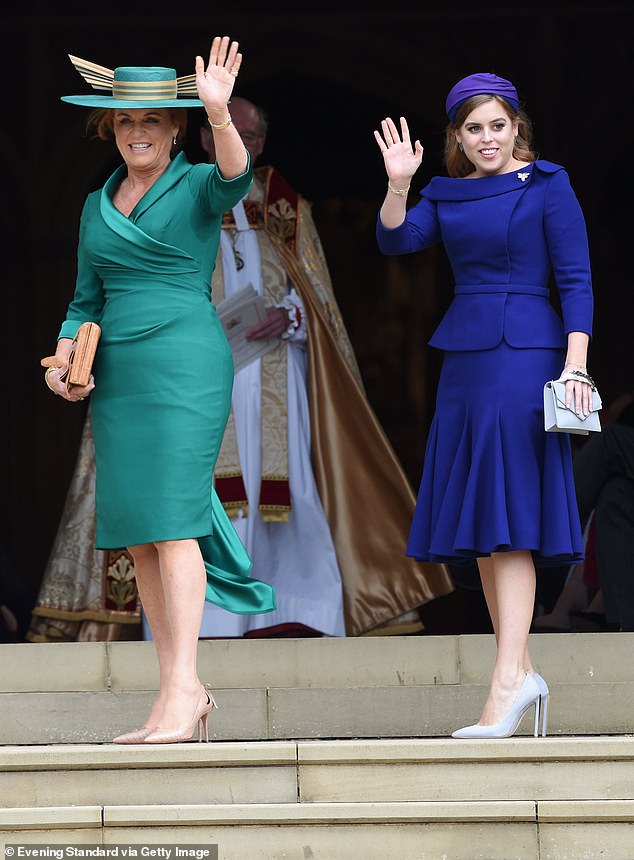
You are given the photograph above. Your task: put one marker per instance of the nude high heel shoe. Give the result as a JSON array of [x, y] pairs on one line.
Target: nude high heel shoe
[[135, 737], [544, 692], [206, 704], [528, 696]]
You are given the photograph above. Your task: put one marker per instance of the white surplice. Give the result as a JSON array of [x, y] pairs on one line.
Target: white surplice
[[296, 557]]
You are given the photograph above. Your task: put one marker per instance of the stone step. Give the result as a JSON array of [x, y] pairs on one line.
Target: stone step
[[329, 662], [324, 749], [314, 772], [522, 830], [278, 714], [552, 799], [373, 687]]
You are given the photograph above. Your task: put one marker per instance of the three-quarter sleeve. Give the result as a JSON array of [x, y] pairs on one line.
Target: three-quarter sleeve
[[567, 240], [419, 230], [216, 193], [88, 300]]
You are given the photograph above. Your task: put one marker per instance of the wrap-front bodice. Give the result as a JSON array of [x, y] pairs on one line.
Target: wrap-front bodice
[[168, 245]]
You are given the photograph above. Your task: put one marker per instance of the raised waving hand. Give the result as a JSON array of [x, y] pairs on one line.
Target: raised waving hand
[[401, 159], [215, 83]]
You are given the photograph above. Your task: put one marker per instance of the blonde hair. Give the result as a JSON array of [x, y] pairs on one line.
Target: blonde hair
[[457, 163], [101, 122]]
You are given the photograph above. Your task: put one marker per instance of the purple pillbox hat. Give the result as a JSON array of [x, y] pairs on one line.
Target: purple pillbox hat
[[482, 83]]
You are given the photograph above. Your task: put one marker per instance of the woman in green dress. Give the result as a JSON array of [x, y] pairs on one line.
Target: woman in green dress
[[164, 372]]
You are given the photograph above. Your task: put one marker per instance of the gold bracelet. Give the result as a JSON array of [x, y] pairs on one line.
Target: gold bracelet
[[221, 125], [402, 192]]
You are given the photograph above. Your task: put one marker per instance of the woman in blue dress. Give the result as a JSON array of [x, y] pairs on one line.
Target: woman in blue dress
[[164, 372], [495, 486]]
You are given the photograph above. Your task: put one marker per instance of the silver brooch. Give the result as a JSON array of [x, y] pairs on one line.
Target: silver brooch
[[523, 176]]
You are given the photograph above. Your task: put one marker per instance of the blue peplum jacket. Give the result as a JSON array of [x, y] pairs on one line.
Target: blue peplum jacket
[[504, 236]]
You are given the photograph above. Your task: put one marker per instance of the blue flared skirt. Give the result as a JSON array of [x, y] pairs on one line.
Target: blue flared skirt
[[493, 480]]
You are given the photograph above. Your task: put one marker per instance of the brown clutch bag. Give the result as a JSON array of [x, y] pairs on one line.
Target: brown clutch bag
[[81, 356]]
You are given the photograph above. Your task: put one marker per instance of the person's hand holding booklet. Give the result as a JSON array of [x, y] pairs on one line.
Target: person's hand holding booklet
[[238, 314]]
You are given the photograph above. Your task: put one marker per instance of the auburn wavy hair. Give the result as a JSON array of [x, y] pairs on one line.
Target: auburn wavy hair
[[457, 163]]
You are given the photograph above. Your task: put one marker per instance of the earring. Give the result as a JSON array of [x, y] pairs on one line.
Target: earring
[[174, 140], [460, 147]]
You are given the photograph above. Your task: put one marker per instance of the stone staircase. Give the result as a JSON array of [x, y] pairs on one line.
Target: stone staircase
[[323, 749]]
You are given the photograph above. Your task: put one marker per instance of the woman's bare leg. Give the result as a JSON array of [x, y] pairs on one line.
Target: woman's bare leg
[[509, 584], [183, 580], [485, 566], [149, 585]]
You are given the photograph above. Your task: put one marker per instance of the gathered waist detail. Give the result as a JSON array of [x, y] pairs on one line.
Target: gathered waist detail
[[127, 316], [525, 289]]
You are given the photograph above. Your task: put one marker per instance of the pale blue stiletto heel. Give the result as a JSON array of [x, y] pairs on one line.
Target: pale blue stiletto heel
[[530, 695], [544, 692]]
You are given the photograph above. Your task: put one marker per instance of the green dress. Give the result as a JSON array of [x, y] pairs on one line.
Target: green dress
[[164, 370]]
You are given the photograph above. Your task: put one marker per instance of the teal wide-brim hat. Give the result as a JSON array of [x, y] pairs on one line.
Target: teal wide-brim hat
[[134, 87]]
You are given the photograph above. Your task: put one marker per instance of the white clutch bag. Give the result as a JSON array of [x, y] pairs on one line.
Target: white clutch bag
[[559, 419]]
